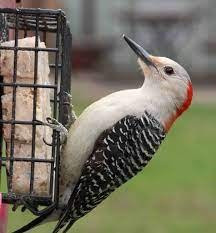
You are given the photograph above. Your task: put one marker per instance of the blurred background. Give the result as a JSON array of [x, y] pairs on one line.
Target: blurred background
[[182, 30], [176, 192]]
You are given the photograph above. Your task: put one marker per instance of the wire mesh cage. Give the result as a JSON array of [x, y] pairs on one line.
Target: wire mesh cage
[[28, 164]]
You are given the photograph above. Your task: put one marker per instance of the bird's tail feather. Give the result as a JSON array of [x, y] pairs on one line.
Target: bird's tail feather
[[33, 223], [68, 226], [59, 227]]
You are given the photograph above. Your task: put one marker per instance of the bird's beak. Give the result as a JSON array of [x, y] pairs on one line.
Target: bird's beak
[[140, 52]]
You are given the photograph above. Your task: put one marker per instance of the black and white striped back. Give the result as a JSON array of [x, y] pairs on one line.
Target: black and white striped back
[[119, 154]]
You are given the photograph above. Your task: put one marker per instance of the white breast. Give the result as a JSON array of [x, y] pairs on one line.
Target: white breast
[[98, 117]]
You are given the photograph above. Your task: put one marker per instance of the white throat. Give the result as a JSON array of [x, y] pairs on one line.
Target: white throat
[[157, 103]]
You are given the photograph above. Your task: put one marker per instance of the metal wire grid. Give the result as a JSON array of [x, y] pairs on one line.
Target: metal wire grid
[[37, 21]]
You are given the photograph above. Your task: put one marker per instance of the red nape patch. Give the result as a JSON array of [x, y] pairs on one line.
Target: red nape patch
[[184, 107], [187, 101]]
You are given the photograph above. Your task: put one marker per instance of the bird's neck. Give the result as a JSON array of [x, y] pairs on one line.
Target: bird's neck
[[164, 105], [159, 106], [186, 103]]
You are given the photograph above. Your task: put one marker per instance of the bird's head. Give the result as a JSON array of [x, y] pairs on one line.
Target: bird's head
[[167, 85]]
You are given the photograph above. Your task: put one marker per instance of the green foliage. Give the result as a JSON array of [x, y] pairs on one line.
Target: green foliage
[[174, 194]]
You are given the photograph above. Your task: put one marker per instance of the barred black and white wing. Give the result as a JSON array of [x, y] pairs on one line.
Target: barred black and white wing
[[119, 154]]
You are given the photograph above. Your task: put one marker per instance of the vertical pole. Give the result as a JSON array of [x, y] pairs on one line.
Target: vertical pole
[[4, 207]]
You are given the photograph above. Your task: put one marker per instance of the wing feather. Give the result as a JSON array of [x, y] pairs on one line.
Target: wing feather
[[119, 154]]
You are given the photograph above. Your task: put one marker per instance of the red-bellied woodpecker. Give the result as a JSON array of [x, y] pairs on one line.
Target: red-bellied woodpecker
[[116, 137]]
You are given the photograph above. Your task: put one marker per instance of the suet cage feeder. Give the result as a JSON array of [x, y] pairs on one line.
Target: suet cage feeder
[[45, 25]]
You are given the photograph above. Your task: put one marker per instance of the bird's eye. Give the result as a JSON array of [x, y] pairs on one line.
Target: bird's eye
[[169, 70]]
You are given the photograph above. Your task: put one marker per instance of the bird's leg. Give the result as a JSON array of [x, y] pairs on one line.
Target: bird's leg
[[55, 125], [67, 101]]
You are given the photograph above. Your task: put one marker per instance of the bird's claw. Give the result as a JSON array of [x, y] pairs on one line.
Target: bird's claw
[[57, 126], [69, 109]]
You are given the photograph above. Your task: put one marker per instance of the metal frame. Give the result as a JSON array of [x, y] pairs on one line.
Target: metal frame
[[41, 22]]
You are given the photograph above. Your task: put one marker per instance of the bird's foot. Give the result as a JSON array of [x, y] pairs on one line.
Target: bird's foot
[[57, 126], [67, 102]]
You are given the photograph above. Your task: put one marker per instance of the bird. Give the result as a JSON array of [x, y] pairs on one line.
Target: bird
[[116, 137]]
